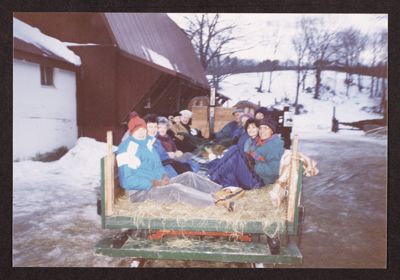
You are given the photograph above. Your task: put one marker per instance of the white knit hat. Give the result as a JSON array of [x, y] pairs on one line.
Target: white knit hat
[[186, 113]]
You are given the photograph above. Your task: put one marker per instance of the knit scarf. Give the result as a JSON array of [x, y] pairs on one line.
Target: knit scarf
[[260, 142]]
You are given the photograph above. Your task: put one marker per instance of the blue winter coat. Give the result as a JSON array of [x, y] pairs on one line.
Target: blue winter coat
[[267, 159], [138, 163]]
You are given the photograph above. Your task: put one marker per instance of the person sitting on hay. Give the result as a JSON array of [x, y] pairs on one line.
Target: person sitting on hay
[[233, 168], [186, 138], [139, 165], [169, 146], [172, 167], [266, 152]]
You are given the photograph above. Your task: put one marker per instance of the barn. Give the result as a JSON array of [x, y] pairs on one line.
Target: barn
[[130, 61], [44, 93]]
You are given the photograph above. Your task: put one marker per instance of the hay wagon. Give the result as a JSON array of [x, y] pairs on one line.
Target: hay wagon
[[202, 238]]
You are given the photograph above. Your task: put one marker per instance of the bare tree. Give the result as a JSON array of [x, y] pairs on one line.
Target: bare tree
[[299, 43], [220, 68], [319, 43], [378, 47], [350, 43], [211, 40]]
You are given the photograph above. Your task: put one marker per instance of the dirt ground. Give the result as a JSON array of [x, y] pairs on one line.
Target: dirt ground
[[345, 224]]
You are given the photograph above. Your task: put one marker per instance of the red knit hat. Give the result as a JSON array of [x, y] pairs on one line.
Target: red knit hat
[[135, 122]]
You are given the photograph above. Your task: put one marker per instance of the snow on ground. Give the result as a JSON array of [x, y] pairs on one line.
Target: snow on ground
[[54, 206], [33, 36]]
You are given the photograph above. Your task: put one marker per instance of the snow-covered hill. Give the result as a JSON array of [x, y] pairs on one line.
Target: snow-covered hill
[[318, 117]]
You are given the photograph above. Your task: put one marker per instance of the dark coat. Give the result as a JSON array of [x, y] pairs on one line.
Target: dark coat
[[167, 142]]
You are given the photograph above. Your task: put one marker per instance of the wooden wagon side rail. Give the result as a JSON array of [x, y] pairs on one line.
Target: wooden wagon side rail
[[109, 176], [110, 189], [295, 188]]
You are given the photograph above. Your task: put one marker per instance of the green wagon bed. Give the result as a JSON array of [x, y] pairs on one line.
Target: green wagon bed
[[203, 236]]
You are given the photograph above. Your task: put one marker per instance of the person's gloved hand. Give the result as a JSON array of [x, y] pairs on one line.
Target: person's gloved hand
[[178, 153], [250, 161], [156, 183], [164, 180], [194, 131], [159, 183], [171, 154]]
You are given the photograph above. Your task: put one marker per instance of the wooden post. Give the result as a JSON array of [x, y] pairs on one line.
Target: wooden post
[[293, 177], [212, 111], [109, 176], [335, 122]]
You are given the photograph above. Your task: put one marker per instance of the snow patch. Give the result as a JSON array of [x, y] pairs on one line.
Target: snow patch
[[160, 59], [71, 44]]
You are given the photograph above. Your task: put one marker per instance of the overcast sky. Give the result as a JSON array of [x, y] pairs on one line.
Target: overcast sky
[[258, 31]]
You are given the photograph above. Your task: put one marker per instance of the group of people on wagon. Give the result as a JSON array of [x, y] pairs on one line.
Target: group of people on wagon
[[156, 155]]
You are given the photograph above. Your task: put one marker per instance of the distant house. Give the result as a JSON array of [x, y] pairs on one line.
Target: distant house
[[130, 61], [44, 93]]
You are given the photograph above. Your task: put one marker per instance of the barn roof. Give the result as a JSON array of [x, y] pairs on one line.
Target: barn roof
[[30, 39], [30, 48], [157, 39]]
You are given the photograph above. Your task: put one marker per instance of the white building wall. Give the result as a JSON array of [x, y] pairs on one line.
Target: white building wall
[[44, 117]]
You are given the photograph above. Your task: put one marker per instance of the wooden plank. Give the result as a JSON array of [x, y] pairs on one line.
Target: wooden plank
[[298, 197], [292, 227], [201, 122], [222, 251], [293, 179], [200, 119], [120, 222], [102, 189], [109, 176]]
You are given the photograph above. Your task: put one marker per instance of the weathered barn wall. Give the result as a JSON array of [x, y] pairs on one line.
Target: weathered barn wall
[[96, 91]]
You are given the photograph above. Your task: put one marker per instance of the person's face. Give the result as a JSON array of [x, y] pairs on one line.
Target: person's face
[[152, 129], [177, 119], [140, 133], [252, 130], [162, 129], [259, 116], [237, 116], [244, 120], [265, 132], [184, 120], [251, 112]]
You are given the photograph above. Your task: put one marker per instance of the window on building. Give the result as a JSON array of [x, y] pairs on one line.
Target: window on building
[[46, 75]]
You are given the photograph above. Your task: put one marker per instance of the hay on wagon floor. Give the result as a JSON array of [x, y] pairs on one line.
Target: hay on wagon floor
[[255, 205]]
